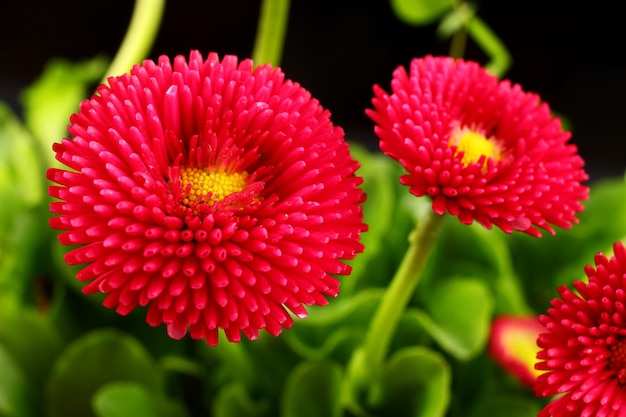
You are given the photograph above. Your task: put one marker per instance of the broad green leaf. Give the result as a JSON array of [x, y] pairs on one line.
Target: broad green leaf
[[545, 263], [125, 399], [21, 169], [22, 219], [415, 383], [49, 102], [387, 222], [313, 390], [459, 316], [476, 252], [420, 12], [88, 363], [335, 330], [32, 342], [17, 398], [233, 400]]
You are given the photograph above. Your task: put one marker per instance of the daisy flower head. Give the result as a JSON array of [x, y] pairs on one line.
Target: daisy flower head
[[482, 149], [217, 194], [583, 347]]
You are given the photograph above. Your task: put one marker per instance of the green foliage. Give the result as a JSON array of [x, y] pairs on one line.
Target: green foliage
[[320, 377], [123, 399], [92, 361], [55, 95], [16, 394], [459, 319], [457, 19], [415, 383], [21, 217]]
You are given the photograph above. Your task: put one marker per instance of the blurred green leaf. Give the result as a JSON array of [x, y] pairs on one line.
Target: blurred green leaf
[[22, 228], [32, 342], [388, 222], [313, 390], [90, 362], [125, 399], [474, 251], [506, 405], [51, 99], [560, 259], [415, 383], [459, 316], [420, 12], [335, 330], [16, 394], [233, 400], [20, 164]]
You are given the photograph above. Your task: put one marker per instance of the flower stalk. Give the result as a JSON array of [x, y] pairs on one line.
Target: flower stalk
[[398, 295], [139, 38], [270, 36]]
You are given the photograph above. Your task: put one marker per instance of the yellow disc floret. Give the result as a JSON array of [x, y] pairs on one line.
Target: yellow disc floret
[[205, 185], [474, 145]]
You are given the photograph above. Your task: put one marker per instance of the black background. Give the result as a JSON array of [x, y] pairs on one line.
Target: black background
[[568, 52]]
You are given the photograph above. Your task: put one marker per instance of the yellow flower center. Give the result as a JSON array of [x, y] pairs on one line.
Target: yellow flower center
[[474, 145], [196, 183], [617, 360]]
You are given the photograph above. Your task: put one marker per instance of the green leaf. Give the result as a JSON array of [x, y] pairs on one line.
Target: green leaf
[[313, 390], [335, 330], [388, 222], [88, 363], [233, 400], [124, 399], [16, 394], [420, 12], [459, 316], [49, 101], [22, 220], [415, 383], [545, 263], [506, 405], [477, 252], [32, 342], [20, 164]]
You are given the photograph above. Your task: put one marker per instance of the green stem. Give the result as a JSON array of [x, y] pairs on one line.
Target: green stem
[[459, 39], [398, 294], [270, 36], [491, 44], [139, 38]]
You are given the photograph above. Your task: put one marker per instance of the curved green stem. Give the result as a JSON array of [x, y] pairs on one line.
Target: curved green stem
[[139, 38], [459, 39], [491, 44], [270, 36], [398, 295]]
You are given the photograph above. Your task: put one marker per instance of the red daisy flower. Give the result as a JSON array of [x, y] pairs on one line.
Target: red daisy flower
[[217, 194], [482, 149], [584, 350]]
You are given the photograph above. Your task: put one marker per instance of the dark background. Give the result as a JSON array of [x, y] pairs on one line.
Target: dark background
[[569, 53]]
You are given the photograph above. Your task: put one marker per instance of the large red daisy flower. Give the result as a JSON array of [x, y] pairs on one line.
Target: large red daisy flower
[[584, 349], [217, 194], [482, 149]]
